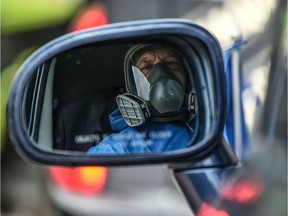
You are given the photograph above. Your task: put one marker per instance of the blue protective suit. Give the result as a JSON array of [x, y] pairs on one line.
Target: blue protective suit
[[149, 137]]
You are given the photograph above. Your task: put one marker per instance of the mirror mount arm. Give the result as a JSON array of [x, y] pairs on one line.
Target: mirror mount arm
[[221, 156], [192, 177]]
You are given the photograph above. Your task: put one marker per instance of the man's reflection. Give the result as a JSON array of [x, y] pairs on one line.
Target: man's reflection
[[158, 111]]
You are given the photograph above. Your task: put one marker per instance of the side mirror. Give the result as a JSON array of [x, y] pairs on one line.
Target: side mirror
[[60, 104]]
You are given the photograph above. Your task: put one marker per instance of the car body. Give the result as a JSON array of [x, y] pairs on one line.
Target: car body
[[215, 166]]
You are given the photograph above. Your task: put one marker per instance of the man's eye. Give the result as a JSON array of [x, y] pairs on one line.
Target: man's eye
[[146, 68], [172, 64]]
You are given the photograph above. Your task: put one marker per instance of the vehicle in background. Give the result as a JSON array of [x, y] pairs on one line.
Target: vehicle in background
[[206, 208]]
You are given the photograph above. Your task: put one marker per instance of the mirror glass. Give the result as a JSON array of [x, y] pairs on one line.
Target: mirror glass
[[122, 97]]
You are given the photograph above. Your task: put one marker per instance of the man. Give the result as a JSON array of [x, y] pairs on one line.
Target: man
[[158, 111]]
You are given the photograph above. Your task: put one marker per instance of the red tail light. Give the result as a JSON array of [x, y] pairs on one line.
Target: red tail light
[[84, 180], [207, 210], [95, 15], [243, 191]]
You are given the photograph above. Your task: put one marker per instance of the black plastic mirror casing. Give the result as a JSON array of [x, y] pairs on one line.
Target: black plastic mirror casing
[[26, 148]]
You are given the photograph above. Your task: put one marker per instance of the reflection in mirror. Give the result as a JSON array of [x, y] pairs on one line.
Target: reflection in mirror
[[125, 97]]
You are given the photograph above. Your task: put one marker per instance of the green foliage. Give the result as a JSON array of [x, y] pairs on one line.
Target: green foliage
[[26, 15]]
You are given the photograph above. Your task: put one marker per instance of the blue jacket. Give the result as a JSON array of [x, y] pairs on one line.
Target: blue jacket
[[149, 137]]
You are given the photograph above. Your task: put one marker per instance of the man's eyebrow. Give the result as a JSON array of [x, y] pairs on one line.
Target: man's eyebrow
[[143, 60], [172, 56]]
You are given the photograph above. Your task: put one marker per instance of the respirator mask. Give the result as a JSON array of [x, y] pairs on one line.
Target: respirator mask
[[160, 97]]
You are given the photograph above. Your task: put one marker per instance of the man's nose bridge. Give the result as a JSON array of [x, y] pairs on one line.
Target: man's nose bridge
[[158, 58], [157, 61]]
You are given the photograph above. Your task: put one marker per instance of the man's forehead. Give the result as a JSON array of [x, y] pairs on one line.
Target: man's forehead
[[159, 50], [151, 53]]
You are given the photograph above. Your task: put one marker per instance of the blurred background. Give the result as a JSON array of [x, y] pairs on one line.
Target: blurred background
[[27, 24]]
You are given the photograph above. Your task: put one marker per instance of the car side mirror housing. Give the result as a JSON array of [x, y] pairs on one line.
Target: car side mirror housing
[[61, 100]]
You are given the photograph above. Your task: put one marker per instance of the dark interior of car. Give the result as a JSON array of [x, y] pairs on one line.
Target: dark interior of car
[[85, 87]]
